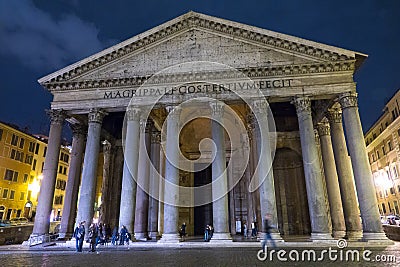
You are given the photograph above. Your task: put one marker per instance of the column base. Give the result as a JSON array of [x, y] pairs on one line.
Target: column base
[[169, 238], [339, 234], [315, 237], [221, 237], [354, 235], [153, 236], [64, 236], [37, 239], [141, 236], [377, 239]]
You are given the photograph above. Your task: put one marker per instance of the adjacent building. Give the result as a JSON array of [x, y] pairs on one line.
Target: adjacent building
[[22, 157], [382, 141]]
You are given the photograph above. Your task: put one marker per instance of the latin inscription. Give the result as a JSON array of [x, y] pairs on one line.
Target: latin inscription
[[192, 88]]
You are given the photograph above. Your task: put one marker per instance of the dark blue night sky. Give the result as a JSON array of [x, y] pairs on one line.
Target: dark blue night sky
[[38, 37]]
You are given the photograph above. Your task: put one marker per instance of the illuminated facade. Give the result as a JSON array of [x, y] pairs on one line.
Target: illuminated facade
[[22, 159], [382, 141], [155, 98]]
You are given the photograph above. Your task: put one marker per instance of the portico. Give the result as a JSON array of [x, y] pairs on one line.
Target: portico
[[232, 104]]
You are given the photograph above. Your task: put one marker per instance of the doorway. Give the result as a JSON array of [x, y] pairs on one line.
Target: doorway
[[203, 215]]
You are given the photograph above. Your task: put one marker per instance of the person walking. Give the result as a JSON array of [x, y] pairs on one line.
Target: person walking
[[79, 235], [92, 237], [267, 232]]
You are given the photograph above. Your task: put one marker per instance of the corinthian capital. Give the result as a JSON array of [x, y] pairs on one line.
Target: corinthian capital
[[348, 100], [78, 129], [57, 116], [174, 112], [217, 108], [323, 129], [260, 106], [133, 113], [96, 115], [334, 115], [302, 104]]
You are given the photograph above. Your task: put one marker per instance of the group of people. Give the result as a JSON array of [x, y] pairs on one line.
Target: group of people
[[254, 230], [99, 234]]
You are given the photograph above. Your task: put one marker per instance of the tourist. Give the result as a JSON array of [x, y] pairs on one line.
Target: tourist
[[245, 230], [114, 237], [267, 232], [92, 237], [182, 231], [79, 235]]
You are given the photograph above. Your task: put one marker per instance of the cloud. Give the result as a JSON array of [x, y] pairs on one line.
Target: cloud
[[42, 42]]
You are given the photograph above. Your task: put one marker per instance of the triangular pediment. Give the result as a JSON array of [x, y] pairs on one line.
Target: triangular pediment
[[198, 37]]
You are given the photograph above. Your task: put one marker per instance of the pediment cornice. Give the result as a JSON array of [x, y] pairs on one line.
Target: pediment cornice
[[328, 56]]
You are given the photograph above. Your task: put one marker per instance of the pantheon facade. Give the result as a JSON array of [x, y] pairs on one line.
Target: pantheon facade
[[130, 108]]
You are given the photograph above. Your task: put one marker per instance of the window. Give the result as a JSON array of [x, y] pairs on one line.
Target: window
[[65, 170], [396, 174], [392, 191], [9, 175], [60, 169], [377, 155], [383, 150], [42, 167], [66, 158], [383, 208], [373, 157], [21, 143], [14, 140], [22, 196], [15, 179], [62, 156], [25, 178], [31, 179], [34, 165], [380, 194], [58, 200], [396, 207], [28, 197], [13, 153], [390, 145], [1, 135], [390, 207], [29, 159], [45, 151], [31, 146], [5, 193], [12, 194], [37, 149]]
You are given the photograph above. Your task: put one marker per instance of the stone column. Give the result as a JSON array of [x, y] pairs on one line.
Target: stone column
[[142, 198], [332, 183], [130, 171], [264, 172], [372, 225], [74, 177], [105, 187], [115, 194], [346, 181], [154, 184], [46, 195], [171, 190], [315, 189], [219, 176], [89, 172]]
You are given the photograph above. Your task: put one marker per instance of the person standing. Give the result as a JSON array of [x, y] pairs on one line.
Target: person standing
[[79, 235], [182, 231], [245, 230], [114, 236], [267, 232], [122, 235], [92, 237]]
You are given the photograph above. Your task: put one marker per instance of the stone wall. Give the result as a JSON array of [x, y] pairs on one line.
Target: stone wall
[[15, 234], [392, 232]]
